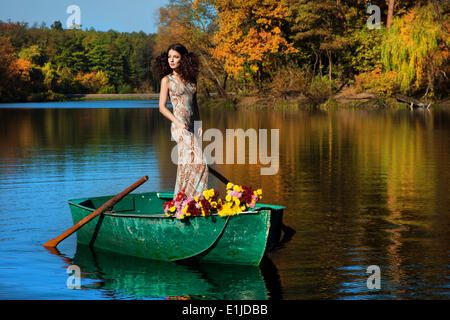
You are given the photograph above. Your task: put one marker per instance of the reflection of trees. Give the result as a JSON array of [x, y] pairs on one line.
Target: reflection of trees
[[370, 183], [359, 180]]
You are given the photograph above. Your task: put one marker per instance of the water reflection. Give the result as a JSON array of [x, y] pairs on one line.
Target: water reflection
[[124, 277], [361, 188]]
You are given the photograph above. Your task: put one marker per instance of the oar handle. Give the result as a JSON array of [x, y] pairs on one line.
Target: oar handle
[[111, 202], [218, 175]]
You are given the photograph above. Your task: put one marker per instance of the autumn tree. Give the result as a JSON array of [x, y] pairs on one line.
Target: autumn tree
[[250, 34], [14, 71], [193, 24]]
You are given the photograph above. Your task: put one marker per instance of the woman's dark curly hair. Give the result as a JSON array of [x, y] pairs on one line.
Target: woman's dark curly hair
[[188, 68]]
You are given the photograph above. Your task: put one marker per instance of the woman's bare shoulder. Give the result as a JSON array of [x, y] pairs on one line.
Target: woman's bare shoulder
[[165, 79], [165, 82]]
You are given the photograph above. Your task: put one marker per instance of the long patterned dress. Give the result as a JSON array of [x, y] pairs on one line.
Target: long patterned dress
[[192, 171]]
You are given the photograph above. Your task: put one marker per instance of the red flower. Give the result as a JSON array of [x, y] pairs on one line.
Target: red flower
[[192, 209], [169, 204], [205, 204], [180, 195]]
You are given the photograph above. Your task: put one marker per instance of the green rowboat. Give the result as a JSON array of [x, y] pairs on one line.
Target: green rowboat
[[137, 226]]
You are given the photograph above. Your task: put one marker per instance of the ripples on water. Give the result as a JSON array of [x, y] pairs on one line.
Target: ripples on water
[[361, 188]]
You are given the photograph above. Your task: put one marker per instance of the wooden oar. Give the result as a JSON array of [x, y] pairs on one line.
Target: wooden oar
[[54, 242], [218, 175]]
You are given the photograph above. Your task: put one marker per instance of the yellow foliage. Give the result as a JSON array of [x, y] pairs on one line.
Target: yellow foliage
[[92, 80], [249, 31]]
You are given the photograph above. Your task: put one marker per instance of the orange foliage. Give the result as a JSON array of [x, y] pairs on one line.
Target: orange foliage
[[249, 31], [14, 72], [377, 81], [21, 68], [92, 81]]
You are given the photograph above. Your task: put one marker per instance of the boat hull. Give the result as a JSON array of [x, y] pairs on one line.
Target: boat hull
[[135, 227]]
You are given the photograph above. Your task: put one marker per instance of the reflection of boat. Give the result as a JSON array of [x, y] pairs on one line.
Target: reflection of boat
[[121, 276], [136, 226]]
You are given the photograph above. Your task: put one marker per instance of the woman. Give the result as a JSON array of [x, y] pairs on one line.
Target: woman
[[178, 70]]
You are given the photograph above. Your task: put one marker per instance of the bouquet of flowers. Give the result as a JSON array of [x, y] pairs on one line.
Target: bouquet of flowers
[[237, 200], [186, 205]]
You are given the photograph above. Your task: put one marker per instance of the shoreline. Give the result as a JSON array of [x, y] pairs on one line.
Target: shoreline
[[348, 98], [112, 96]]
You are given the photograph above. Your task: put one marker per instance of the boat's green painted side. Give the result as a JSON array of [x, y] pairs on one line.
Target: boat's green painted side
[[136, 226]]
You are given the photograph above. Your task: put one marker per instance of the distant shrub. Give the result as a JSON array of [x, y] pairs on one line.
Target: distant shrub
[[124, 88], [292, 82], [378, 81], [107, 89]]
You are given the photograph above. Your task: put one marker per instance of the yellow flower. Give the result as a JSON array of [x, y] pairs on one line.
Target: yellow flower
[[259, 192], [167, 214], [196, 199], [229, 185], [228, 198], [172, 209], [236, 188], [181, 216]]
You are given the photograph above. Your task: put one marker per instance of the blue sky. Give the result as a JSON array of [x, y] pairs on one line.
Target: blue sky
[[119, 15]]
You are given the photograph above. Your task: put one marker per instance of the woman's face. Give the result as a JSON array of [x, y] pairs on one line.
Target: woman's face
[[174, 59]]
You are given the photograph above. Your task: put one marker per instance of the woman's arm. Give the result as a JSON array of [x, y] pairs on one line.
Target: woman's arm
[[163, 97]]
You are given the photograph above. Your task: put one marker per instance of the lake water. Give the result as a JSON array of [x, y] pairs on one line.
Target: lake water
[[361, 188]]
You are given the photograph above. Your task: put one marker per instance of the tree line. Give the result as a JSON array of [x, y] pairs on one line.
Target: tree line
[[46, 62], [267, 47], [315, 48]]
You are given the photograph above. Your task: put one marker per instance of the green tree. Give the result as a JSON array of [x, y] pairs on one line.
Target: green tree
[[323, 27], [416, 49], [57, 25]]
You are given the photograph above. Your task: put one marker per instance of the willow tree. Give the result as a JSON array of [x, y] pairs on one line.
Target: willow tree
[[416, 49]]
